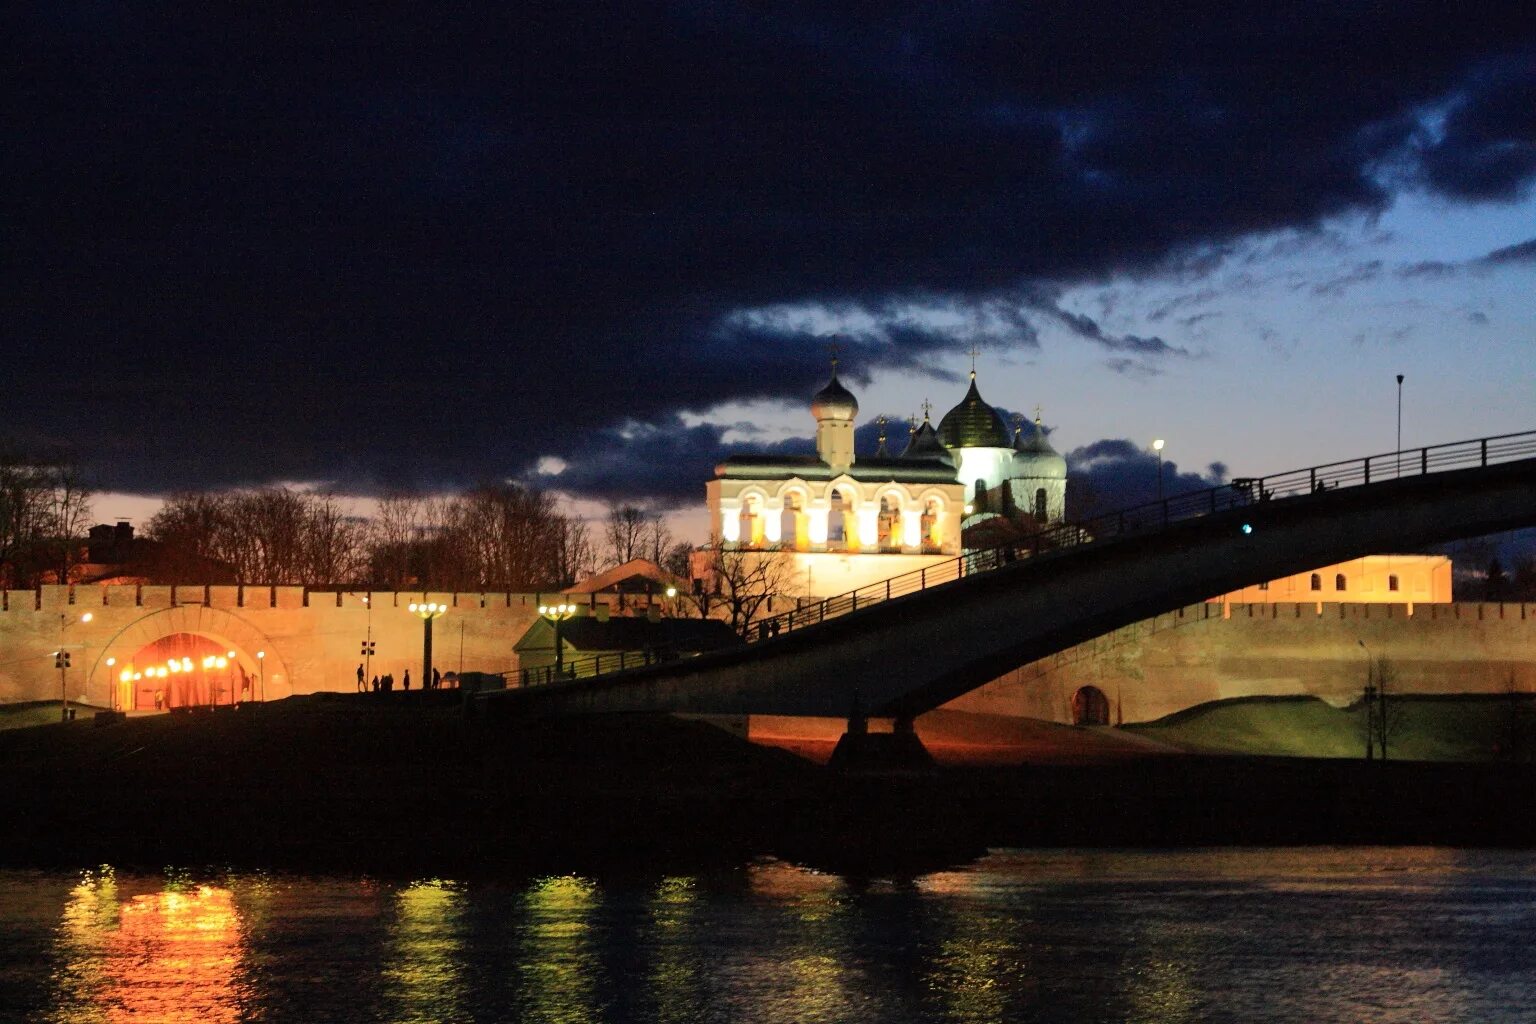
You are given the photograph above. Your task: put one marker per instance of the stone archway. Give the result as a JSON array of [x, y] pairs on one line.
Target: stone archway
[[253, 649], [1090, 707]]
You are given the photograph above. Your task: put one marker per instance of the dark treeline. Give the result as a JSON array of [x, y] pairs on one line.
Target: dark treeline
[[493, 537], [43, 505]]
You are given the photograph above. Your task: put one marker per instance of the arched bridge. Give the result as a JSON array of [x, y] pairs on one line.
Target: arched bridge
[[910, 644]]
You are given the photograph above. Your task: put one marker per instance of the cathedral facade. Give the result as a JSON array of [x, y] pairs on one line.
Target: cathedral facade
[[845, 520]]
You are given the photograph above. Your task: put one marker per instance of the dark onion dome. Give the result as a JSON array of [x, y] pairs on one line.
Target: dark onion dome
[[973, 423], [1034, 456], [1033, 442], [834, 402], [925, 444]]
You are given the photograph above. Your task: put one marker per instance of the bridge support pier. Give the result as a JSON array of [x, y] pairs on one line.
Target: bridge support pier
[[863, 752]]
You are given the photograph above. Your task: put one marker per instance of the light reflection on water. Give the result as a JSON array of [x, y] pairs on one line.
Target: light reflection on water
[[1309, 936], [168, 955]]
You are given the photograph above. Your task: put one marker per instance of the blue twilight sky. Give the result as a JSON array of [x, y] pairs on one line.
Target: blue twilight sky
[[599, 247]]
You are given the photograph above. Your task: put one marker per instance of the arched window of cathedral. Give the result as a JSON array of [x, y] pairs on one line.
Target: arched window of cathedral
[[1317, 581], [1338, 581], [889, 524], [751, 522], [1090, 707], [841, 528], [930, 526], [794, 527], [1040, 504], [1392, 582]]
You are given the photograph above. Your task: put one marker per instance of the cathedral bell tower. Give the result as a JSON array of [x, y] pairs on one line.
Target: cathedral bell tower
[[834, 408]]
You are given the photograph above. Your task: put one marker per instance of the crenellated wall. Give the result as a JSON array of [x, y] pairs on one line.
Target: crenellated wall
[[310, 639], [1213, 651]]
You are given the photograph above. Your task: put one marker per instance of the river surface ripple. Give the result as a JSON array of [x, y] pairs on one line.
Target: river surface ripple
[[1309, 935]]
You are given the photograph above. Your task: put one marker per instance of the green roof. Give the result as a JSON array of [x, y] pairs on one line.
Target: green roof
[[973, 424]]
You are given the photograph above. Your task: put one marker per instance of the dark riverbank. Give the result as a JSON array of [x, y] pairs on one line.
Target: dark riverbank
[[394, 786]]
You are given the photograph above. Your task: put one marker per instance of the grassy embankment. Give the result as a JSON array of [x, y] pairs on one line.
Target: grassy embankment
[[1420, 728]]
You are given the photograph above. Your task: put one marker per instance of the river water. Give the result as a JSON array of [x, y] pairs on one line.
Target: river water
[[1314, 935]]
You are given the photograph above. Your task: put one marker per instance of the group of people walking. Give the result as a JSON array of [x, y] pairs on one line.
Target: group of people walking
[[386, 682]]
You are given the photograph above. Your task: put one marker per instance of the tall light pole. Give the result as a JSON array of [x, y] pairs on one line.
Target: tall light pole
[[1399, 424], [367, 651], [1370, 701], [427, 612], [261, 661], [61, 662], [1157, 446], [556, 614]]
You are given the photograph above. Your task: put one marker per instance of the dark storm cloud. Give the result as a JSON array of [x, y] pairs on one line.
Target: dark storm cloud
[[1509, 255], [1360, 273], [419, 244], [1524, 252], [1115, 473]]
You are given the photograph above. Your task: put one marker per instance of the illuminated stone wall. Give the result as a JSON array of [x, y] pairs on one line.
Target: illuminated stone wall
[[1212, 651], [310, 639]]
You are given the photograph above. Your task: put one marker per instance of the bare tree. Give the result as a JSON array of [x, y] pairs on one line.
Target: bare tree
[[658, 538], [624, 533], [737, 583], [44, 508], [1513, 741], [393, 540], [270, 535], [1389, 709], [334, 543]]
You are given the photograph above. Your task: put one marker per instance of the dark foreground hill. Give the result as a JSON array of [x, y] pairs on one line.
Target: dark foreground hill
[[355, 783]]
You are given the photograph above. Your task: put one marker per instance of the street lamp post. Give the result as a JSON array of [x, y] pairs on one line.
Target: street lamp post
[[261, 662], [427, 612], [368, 645], [1370, 702], [556, 614], [1157, 446], [61, 662], [1399, 424]]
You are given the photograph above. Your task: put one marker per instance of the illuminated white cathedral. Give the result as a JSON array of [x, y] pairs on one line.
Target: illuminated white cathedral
[[848, 520]]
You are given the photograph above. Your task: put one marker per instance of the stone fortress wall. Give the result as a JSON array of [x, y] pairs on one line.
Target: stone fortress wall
[[1200, 653], [1217, 651], [310, 639]]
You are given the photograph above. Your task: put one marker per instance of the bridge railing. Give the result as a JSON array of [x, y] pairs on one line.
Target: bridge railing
[[1133, 521]]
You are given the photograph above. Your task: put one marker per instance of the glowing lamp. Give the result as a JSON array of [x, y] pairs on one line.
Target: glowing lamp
[[1247, 527], [87, 617]]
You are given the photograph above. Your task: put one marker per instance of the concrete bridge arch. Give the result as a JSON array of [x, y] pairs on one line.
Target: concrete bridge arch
[[916, 652], [225, 628]]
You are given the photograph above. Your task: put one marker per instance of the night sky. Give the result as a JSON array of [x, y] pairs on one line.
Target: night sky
[[419, 246]]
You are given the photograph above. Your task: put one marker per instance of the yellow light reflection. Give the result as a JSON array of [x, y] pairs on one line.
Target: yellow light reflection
[[807, 983], [675, 979], [173, 956], [557, 959], [424, 972]]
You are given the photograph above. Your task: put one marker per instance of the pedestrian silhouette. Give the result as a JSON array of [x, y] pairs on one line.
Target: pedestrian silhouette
[[360, 679], [437, 678], [375, 684], [406, 683]]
